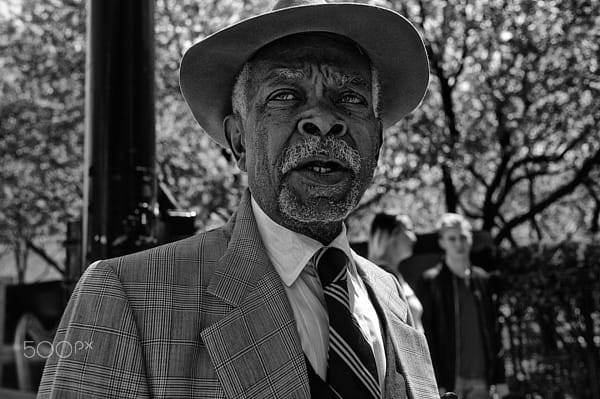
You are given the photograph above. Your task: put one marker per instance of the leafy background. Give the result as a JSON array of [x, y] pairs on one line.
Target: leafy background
[[507, 135]]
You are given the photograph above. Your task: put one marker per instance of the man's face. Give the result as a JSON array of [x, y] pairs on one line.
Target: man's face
[[310, 136], [456, 242]]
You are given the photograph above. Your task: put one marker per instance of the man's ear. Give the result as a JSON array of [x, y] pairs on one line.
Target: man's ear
[[234, 132]]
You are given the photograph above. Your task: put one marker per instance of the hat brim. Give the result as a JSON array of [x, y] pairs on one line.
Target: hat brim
[[209, 68]]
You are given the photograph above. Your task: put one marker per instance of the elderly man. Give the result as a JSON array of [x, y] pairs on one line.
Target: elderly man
[[275, 303]]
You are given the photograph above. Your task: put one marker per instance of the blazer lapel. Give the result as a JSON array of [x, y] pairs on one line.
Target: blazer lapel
[[412, 363], [255, 349]]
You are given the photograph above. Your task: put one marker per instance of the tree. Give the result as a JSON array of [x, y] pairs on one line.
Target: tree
[[506, 134], [41, 123], [201, 174], [508, 131], [42, 118]]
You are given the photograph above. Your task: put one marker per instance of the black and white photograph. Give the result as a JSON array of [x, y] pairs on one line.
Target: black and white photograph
[[307, 199]]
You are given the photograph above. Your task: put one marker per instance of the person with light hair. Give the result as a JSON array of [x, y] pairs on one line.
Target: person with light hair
[[391, 242], [460, 317]]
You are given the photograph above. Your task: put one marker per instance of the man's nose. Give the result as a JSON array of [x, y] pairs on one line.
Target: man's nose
[[322, 124]]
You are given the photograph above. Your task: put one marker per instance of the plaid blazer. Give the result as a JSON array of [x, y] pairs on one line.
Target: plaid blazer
[[208, 317]]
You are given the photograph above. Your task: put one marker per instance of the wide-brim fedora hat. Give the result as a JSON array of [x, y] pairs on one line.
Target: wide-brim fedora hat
[[209, 68]]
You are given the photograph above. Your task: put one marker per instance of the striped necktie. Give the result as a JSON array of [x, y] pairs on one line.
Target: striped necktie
[[351, 368]]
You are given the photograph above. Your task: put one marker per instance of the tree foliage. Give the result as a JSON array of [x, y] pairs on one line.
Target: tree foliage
[[202, 175], [507, 133], [41, 121]]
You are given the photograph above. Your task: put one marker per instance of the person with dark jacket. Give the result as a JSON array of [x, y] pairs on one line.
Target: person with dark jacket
[[460, 317]]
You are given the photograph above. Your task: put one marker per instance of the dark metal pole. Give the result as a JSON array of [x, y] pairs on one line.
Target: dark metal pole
[[120, 180]]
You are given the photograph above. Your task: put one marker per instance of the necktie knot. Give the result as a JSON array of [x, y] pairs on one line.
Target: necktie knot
[[331, 265]]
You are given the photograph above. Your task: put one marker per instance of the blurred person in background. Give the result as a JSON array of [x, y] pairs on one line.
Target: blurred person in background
[[391, 242], [460, 317]]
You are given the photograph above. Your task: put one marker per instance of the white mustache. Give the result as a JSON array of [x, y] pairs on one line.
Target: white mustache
[[315, 146]]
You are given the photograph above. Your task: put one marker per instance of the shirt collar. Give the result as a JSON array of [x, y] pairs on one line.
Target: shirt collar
[[290, 251]]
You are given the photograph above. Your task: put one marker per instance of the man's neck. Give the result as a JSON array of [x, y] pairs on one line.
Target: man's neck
[[458, 266], [322, 232]]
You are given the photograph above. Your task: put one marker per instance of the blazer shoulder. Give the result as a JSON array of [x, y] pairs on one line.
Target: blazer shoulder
[[385, 286], [370, 268], [189, 254]]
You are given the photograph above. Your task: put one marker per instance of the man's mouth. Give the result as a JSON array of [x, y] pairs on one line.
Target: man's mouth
[[321, 171], [321, 167], [318, 164]]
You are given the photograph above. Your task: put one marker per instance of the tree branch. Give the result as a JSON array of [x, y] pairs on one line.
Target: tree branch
[[560, 192], [490, 208], [538, 173], [44, 255], [549, 158], [531, 197], [478, 176], [449, 188]]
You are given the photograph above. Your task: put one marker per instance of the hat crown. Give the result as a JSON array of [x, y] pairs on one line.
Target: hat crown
[[294, 3], [210, 67]]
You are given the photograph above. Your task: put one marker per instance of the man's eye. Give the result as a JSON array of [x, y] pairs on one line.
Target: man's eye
[[351, 98], [284, 96]]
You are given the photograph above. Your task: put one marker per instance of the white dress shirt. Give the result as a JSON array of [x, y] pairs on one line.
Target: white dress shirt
[[290, 253]]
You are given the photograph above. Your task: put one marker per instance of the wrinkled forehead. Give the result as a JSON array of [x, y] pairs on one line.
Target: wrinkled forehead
[[323, 48]]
